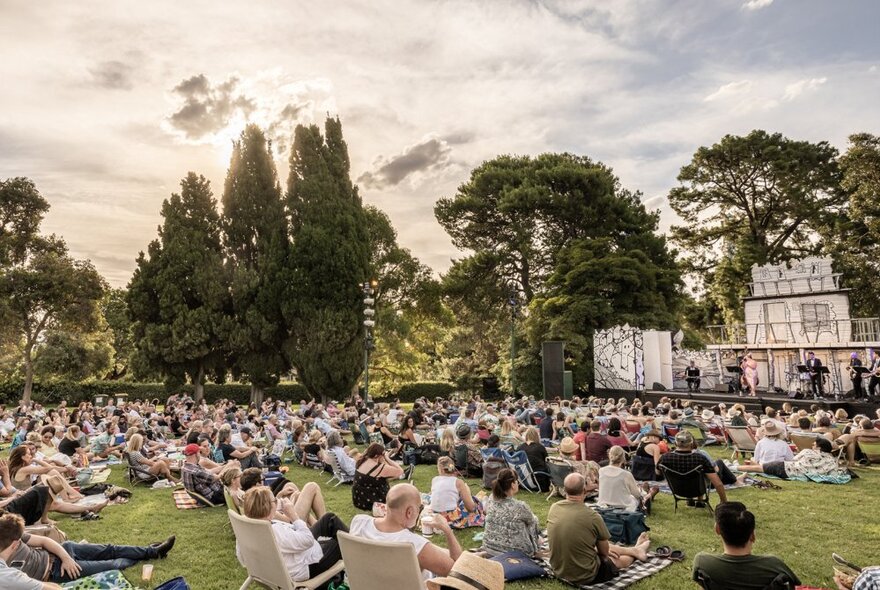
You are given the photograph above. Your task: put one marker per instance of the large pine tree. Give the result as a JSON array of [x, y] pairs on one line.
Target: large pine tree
[[178, 295], [256, 246], [329, 263]]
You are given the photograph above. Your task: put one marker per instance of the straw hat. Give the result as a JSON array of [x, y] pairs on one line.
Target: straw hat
[[771, 428], [471, 572], [567, 446], [707, 414]]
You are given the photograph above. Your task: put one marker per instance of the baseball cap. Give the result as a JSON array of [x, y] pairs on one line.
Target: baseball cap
[[191, 449]]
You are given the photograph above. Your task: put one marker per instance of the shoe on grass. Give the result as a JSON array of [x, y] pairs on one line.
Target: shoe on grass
[[164, 547]]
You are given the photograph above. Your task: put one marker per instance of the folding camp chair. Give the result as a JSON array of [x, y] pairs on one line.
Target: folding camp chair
[[690, 486], [260, 556], [803, 441], [313, 461], [742, 440], [697, 433], [136, 474], [870, 449], [519, 462], [367, 564], [339, 476], [669, 432], [201, 499], [230, 501], [780, 582]]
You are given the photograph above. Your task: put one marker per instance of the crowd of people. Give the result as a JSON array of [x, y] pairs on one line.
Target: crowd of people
[[615, 453]]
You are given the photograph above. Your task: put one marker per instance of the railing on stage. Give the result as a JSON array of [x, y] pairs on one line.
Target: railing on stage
[[801, 332]]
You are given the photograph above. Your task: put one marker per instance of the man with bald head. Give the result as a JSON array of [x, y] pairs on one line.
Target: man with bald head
[[404, 505], [580, 552]]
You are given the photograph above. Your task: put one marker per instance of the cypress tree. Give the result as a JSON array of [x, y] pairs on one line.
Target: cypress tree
[[329, 263], [255, 240], [178, 295]]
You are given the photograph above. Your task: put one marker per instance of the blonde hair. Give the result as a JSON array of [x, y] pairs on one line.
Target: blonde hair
[[616, 455], [135, 443], [447, 440], [258, 502], [228, 475], [445, 465], [532, 435], [506, 427]]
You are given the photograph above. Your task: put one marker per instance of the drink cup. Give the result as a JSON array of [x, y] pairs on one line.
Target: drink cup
[[147, 572], [427, 526]]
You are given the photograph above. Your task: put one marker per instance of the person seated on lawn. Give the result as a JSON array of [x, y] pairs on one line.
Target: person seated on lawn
[[536, 453], [867, 579], [32, 504], [737, 568], [231, 480], [684, 459], [345, 459], [580, 552], [510, 523], [865, 431], [404, 505], [645, 463], [43, 559], [71, 446], [772, 447], [467, 456], [595, 445], [809, 463], [248, 456], [10, 577], [199, 480], [618, 487], [307, 504], [452, 498], [824, 427], [589, 469], [104, 444], [157, 467], [205, 454], [303, 555], [374, 469]]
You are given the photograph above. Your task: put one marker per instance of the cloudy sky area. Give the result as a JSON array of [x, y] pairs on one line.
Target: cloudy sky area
[[107, 105]]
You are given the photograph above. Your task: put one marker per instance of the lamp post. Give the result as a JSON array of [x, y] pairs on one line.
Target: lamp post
[[512, 302], [369, 289]]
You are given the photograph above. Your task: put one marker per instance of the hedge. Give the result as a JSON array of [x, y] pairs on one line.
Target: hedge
[[54, 391], [409, 392]]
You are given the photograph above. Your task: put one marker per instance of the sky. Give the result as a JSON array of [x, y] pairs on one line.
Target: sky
[[107, 105]]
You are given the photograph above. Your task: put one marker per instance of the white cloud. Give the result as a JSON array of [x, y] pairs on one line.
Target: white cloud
[[757, 4], [728, 90], [796, 89]]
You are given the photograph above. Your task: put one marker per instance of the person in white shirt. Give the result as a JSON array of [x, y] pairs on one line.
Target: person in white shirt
[[404, 505], [772, 448], [304, 556], [618, 487]]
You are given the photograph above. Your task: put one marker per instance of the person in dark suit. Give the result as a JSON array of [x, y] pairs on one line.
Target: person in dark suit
[[856, 377], [814, 364], [874, 381], [692, 376]]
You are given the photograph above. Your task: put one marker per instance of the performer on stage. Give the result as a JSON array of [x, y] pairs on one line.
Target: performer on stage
[[874, 381], [855, 376], [814, 364], [750, 374], [692, 376]]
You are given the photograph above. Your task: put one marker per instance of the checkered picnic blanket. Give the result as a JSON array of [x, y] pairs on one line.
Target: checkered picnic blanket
[[184, 501], [637, 571]]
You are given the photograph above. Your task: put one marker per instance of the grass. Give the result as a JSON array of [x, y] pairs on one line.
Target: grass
[[802, 524]]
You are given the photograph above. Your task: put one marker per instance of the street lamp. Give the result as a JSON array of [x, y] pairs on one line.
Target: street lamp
[[512, 301], [369, 289]]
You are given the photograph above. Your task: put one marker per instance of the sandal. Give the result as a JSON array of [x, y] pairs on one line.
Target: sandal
[[676, 555], [662, 551], [90, 516]]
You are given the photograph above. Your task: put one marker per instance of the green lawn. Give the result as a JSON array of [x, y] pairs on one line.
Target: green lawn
[[803, 523]]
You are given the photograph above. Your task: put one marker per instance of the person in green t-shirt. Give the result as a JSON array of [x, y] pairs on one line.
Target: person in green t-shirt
[[737, 568], [580, 552]]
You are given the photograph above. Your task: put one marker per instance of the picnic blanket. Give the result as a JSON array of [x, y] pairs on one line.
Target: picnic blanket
[[99, 477], [637, 571], [814, 477], [184, 501], [109, 580], [91, 500]]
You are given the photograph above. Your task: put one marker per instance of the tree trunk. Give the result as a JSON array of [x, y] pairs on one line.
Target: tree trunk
[[256, 396], [28, 376], [199, 385]]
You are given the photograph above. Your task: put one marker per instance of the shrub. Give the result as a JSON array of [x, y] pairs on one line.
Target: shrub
[[409, 392]]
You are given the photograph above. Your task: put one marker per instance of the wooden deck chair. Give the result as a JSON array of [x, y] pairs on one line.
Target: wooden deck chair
[[687, 486], [230, 501], [803, 441], [742, 440], [339, 476], [261, 558], [870, 449], [697, 433], [367, 564]]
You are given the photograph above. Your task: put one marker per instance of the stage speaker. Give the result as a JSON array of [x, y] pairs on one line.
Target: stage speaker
[[553, 362], [721, 388], [795, 395], [657, 386], [490, 387]]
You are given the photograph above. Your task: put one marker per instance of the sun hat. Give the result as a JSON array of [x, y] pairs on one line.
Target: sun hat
[[771, 428], [567, 446], [471, 572], [707, 414], [463, 431], [191, 449], [732, 413]]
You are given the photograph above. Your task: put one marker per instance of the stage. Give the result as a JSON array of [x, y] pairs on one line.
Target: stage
[[764, 399]]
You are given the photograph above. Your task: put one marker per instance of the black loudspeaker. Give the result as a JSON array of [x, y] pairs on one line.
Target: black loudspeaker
[[553, 361], [658, 386], [795, 395], [490, 386], [722, 388]]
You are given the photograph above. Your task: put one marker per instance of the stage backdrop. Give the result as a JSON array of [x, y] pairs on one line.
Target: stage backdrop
[[630, 359]]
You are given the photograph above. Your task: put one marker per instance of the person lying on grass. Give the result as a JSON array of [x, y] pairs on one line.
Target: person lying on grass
[[737, 568], [809, 463], [580, 551], [43, 559], [304, 557]]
